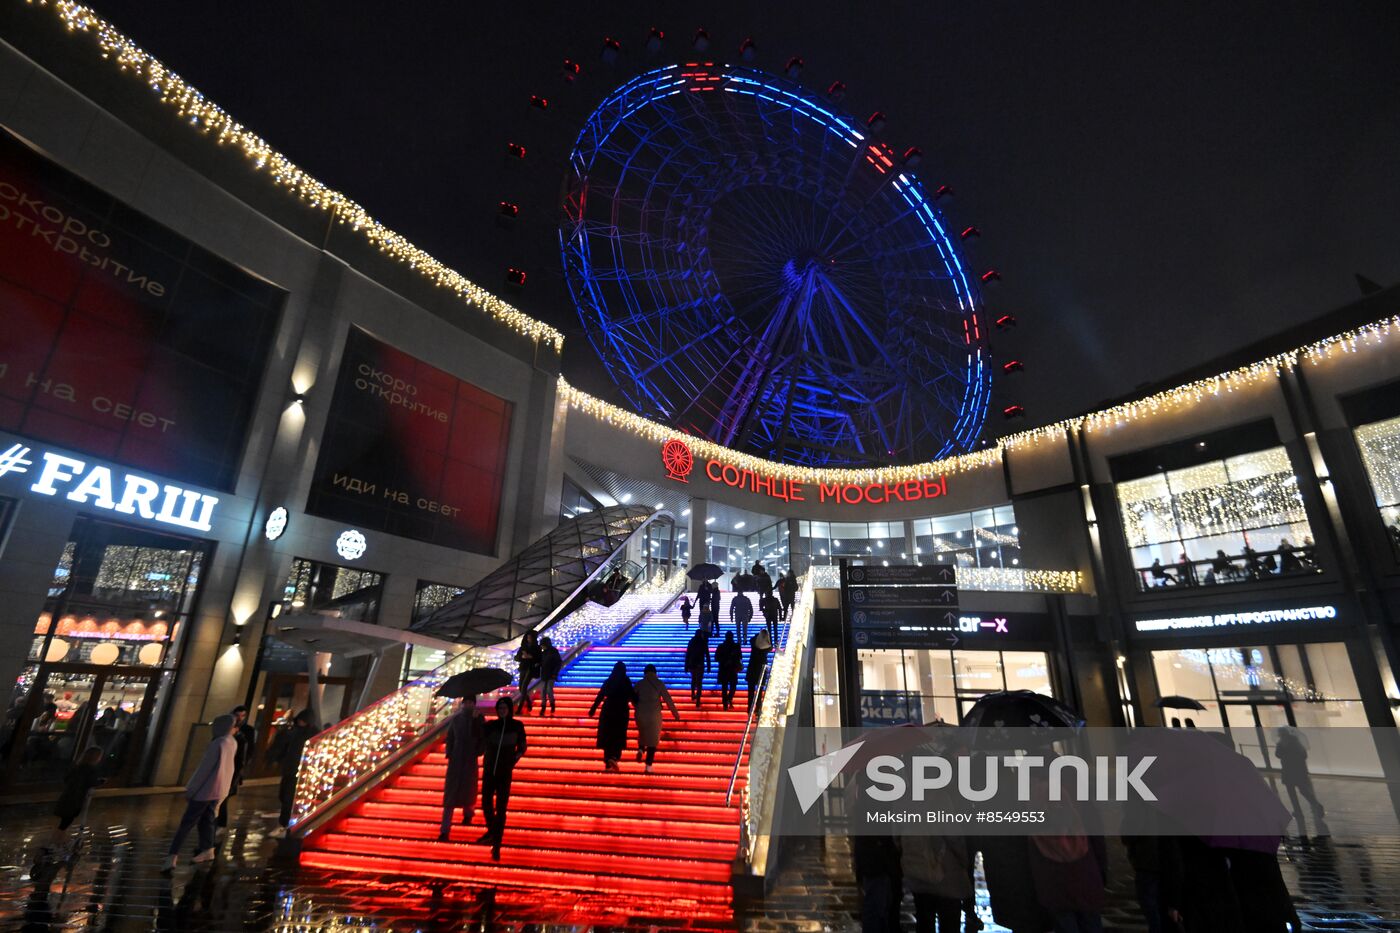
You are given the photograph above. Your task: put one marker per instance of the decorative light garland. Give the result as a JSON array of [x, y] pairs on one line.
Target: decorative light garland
[[1380, 451], [335, 759], [1019, 580], [778, 704], [211, 120], [660, 433]]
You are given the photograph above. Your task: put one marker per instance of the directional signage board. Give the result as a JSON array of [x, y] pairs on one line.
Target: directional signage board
[[902, 575], [901, 606], [911, 597]]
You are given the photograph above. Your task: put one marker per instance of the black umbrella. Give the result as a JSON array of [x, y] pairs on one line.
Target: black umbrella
[[473, 682], [1021, 709], [705, 572], [1179, 702]]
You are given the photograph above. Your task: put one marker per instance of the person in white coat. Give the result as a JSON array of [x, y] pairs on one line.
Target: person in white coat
[[207, 788]]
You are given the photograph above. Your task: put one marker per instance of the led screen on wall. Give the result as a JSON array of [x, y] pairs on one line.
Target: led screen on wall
[[120, 338], [411, 450]]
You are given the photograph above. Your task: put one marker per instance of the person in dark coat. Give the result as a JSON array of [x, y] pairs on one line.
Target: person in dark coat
[[697, 660], [1069, 873], [1155, 857], [286, 754], [758, 659], [78, 783], [502, 745], [464, 736], [729, 658], [740, 614], [686, 607], [937, 870], [1006, 863], [704, 595], [878, 872], [243, 735], [616, 696], [551, 663], [762, 581], [1292, 755], [787, 594], [770, 607], [528, 656]]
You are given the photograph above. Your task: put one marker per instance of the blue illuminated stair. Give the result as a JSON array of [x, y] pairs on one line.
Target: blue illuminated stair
[[659, 639]]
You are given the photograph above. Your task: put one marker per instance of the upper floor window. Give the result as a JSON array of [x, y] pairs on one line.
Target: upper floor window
[[1219, 521], [1380, 451]]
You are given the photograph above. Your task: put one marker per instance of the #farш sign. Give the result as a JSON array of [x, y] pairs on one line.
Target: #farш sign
[[1237, 619], [102, 487]]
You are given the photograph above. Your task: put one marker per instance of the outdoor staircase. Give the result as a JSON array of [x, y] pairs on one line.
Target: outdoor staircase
[[668, 838]]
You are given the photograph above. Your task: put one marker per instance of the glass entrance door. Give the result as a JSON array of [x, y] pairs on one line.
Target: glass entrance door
[[76, 706], [1254, 726]]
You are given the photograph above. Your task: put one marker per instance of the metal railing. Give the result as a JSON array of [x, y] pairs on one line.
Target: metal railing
[[755, 691], [338, 762], [990, 579], [779, 704], [1226, 568]]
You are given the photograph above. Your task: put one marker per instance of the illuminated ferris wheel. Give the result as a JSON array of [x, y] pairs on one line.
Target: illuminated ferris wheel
[[754, 267]]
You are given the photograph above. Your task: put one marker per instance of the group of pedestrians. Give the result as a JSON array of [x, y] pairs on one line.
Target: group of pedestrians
[[729, 660], [217, 777], [540, 663], [500, 744], [617, 698]]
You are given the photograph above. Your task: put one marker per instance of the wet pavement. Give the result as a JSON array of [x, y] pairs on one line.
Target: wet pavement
[[115, 884]]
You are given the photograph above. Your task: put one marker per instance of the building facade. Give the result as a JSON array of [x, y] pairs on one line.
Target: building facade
[[227, 413]]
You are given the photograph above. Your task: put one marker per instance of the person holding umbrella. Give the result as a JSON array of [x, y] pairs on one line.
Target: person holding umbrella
[[502, 745], [616, 696], [464, 735]]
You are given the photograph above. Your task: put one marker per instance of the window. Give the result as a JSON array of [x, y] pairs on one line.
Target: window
[[985, 538], [929, 685], [1380, 451], [575, 501], [1222, 521], [1255, 690], [346, 592]]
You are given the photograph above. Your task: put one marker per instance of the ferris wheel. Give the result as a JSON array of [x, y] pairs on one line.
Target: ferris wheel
[[752, 266]]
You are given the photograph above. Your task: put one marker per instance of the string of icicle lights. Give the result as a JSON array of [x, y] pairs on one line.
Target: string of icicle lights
[[1194, 393], [210, 119]]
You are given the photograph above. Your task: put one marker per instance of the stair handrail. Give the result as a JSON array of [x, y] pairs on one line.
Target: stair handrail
[[339, 761], [779, 703], [748, 725]]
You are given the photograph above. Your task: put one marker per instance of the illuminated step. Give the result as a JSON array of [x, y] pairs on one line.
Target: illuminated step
[[563, 861], [531, 790], [650, 825], [517, 868], [621, 785], [579, 781], [573, 807], [573, 839], [669, 760]]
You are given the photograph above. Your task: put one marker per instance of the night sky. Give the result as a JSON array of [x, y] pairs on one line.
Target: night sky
[[1157, 183]]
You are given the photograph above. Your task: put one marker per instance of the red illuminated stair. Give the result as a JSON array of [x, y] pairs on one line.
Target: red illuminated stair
[[572, 825]]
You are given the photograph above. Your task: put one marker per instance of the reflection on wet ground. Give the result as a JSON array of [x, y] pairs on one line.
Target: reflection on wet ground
[[115, 884]]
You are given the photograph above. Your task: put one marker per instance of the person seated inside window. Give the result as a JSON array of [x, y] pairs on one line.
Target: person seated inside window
[[1221, 565], [1288, 561], [1160, 575], [1253, 565], [1185, 573]]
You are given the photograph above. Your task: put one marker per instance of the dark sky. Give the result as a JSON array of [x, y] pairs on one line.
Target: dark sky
[[1158, 183]]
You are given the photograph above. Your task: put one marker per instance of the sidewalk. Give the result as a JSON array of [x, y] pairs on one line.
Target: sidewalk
[[117, 885]]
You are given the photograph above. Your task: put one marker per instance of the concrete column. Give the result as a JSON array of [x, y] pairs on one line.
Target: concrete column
[[909, 540], [798, 558], [695, 533]]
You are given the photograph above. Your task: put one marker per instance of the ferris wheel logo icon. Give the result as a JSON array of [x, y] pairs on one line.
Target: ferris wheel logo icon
[[678, 460]]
